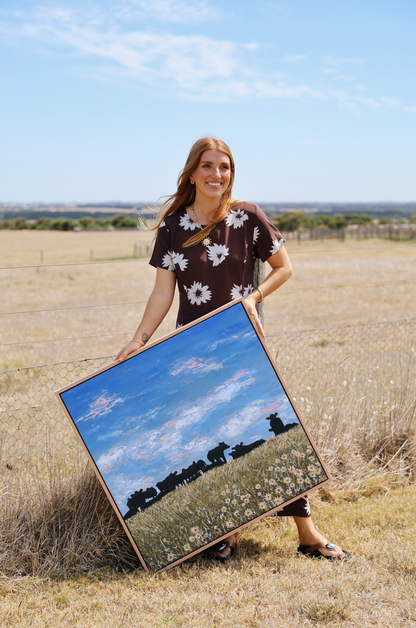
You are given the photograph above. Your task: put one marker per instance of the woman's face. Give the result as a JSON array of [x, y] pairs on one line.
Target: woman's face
[[212, 175]]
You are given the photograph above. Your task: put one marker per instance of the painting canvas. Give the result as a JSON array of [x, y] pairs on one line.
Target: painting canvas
[[194, 437]]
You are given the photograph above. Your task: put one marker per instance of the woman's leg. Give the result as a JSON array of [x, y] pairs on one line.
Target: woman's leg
[[309, 537], [226, 552]]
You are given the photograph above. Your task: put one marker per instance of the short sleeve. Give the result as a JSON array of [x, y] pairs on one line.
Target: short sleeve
[[267, 239], [161, 256]]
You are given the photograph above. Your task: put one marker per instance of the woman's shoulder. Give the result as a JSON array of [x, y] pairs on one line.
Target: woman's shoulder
[[251, 209], [173, 220]]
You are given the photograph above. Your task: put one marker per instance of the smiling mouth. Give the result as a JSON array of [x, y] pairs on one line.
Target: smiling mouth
[[214, 185]]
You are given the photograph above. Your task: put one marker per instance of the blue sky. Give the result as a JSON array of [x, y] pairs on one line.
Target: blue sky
[[166, 407], [102, 100]]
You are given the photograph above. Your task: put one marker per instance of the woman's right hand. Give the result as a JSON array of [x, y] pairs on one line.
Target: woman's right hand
[[131, 347]]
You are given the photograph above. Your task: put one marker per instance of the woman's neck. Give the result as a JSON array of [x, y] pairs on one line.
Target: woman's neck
[[204, 210]]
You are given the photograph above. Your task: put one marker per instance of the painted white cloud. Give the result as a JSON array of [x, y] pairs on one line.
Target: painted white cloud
[[107, 460], [240, 421], [101, 405]]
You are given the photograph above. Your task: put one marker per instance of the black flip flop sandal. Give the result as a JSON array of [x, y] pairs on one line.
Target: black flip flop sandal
[[312, 551], [213, 551]]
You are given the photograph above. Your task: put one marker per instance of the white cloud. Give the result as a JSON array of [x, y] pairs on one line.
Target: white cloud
[[337, 61], [175, 11], [291, 58], [130, 40], [390, 102], [252, 46], [346, 77]]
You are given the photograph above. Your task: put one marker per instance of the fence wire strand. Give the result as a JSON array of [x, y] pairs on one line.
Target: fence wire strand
[[346, 357]]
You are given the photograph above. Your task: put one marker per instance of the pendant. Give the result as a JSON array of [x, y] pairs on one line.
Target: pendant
[[206, 241]]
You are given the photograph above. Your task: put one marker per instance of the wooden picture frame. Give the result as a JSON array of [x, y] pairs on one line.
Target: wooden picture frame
[[194, 437]]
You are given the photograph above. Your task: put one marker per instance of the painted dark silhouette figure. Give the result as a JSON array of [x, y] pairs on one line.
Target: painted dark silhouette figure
[[169, 483], [216, 455], [241, 450], [138, 500], [277, 426]]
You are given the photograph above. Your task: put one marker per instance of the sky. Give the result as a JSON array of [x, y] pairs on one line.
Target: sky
[[101, 101], [169, 405]]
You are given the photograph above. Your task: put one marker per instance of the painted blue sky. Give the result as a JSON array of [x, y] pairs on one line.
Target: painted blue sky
[[168, 406], [102, 100]]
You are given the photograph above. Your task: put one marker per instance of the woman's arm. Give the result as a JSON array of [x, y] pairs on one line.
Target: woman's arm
[[281, 272], [157, 307]]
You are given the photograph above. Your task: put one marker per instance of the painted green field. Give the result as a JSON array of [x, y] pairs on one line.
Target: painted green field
[[226, 498]]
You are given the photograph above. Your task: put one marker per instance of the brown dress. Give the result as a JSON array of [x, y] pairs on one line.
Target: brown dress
[[213, 275]]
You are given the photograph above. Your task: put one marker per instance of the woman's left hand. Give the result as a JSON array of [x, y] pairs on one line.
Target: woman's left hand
[[251, 305]]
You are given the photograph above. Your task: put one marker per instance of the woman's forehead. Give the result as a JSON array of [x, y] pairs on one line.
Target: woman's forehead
[[214, 156]]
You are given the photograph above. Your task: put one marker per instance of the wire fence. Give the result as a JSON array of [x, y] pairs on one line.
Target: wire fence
[[362, 232], [375, 362]]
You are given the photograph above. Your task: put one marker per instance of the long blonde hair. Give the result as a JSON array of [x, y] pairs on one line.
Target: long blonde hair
[[185, 193]]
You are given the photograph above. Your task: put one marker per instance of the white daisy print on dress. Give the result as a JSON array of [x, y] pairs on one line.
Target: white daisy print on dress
[[217, 253], [162, 224], [276, 246], [256, 234], [187, 223], [167, 261], [236, 291], [198, 293], [236, 218], [179, 259], [248, 290]]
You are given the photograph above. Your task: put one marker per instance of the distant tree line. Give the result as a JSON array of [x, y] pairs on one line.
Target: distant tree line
[[292, 221], [119, 221]]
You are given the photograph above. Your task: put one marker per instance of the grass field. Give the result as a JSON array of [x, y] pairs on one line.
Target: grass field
[[295, 306], [64, 559], [265, 585]]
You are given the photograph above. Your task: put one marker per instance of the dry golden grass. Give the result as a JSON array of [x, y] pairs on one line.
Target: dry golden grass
[[71, 286], [265, 585], [361, 411]]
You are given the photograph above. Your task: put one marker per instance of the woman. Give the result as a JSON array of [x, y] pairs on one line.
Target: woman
[[207, 243]]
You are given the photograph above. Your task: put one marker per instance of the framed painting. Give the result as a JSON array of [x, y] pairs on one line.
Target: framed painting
[[194, 437]]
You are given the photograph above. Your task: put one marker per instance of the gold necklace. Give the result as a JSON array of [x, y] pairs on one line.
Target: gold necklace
[[207, 240]]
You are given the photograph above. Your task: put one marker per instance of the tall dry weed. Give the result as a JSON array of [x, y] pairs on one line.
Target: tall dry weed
[[63, 526]]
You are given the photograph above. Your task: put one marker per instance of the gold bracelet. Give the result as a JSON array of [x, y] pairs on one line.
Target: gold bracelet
[[261, 294], [135, 340]]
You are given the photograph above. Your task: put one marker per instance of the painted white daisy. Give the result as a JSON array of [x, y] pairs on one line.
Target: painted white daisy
[[276, 246], [198, 293], [256, 234], [179, 325], [236, 291], [167, 261], [236, 218], [179, 259], [187, 223], [162, 224], [217, 253], [248, 290]]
